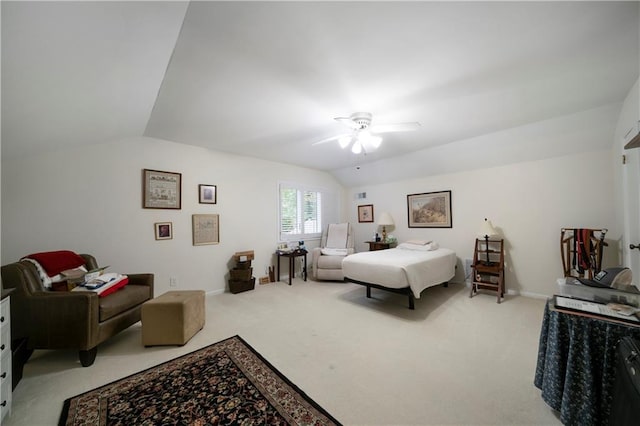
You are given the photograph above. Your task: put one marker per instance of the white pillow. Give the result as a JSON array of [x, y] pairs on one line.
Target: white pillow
[[417, 247], [419, 242]]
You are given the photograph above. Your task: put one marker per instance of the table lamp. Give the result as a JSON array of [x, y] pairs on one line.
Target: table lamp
[[384, 221], [487, 231]]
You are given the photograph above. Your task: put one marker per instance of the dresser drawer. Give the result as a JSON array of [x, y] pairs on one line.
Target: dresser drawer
[[5, 383], [5, 313], [5, 342], [5, 346], [5, 359]]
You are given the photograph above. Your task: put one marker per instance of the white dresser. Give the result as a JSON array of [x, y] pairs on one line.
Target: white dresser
[[5, 358]]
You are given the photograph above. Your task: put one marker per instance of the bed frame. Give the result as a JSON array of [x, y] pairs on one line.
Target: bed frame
[[405, 290]]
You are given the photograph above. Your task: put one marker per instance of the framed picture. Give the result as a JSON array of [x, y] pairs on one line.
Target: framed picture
[[207, 194], [429, 210], [164, 230], [206, 229], [365, 213], [161, 190]]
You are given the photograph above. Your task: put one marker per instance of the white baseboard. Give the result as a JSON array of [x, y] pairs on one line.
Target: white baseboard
[[518, 293]]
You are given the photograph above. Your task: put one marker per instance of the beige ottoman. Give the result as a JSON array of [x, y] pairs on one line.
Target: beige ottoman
[[172, 318]]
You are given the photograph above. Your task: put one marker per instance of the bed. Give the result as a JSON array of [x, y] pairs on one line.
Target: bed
[[408, 269]]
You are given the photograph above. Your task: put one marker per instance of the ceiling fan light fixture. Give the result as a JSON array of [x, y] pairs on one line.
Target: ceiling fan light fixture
[[361, 137], [369, 141], [344, 141], [376, 141]]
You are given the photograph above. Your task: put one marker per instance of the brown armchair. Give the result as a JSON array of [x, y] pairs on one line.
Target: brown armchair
[[71, 320]]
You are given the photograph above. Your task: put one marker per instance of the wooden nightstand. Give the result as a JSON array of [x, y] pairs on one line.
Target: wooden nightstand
[[378, 245]]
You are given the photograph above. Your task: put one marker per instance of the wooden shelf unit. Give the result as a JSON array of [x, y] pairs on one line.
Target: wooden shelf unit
[[488, 267]]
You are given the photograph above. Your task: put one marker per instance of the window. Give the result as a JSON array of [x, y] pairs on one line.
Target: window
[[300, 213]]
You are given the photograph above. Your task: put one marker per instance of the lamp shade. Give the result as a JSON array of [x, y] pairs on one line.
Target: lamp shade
[[487, 229], [385, 219]]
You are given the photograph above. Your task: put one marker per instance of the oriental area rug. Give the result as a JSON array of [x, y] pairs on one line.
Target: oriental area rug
[[224, 383]]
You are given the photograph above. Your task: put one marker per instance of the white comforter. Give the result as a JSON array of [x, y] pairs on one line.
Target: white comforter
[[399, 268]]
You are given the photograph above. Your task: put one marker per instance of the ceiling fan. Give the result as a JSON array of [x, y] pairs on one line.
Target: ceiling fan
[[362, 134]]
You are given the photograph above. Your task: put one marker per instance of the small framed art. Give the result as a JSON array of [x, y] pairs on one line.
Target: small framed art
[[365, 213], [206, 229], [429, 210], [163, 230], [161, 190], [207, 194]]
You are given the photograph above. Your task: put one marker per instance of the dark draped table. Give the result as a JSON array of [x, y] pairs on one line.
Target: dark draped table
[[576, 365]]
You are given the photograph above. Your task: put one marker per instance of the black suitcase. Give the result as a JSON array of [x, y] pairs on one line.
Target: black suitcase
[[625, 406]]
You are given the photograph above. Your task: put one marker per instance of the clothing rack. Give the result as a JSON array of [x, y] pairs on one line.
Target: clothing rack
[[582, 251]]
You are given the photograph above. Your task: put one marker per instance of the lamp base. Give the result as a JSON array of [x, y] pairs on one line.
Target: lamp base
[[486, 247], [384, 234]]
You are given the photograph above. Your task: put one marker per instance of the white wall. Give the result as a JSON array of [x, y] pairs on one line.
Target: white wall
[[527, 202], [627, 127], [89, 200]]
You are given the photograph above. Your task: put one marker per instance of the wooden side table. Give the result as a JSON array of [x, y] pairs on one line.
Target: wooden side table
[[378, 245], [292, 257], [576, 364]]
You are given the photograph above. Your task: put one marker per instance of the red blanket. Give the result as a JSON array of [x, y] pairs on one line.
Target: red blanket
[[55, 262]]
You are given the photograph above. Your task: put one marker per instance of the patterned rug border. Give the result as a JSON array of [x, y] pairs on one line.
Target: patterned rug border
[[67, 402]]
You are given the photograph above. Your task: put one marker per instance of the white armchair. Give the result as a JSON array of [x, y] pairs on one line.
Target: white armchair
[[336, 244]]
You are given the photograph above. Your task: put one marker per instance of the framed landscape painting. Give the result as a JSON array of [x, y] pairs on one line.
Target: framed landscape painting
[[429, 210]]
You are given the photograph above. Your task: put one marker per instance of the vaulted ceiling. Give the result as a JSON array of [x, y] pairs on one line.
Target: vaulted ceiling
[[266, 79]]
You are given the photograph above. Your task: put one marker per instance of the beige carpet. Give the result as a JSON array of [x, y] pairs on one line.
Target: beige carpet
[[453, 360]]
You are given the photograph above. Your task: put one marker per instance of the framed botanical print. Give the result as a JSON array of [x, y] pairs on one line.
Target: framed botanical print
[[365, 213], [206, 229]]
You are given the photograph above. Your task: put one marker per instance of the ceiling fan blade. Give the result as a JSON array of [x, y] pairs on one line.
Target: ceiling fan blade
[[348, 121], [397, 127], [330, 139]]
